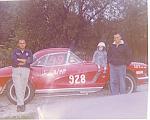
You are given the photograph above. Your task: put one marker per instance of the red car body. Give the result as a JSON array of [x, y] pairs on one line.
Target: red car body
[[60, 69]]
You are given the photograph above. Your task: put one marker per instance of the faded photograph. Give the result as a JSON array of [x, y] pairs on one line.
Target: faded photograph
[[73, 59]]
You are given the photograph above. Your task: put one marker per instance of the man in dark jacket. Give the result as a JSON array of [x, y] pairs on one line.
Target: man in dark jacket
[[21, 60], [118, 58]]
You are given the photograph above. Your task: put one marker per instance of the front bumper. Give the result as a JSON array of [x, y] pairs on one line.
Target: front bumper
[[142, 80]]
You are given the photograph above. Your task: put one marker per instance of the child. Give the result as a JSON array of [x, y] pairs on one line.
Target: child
[[100, 56]]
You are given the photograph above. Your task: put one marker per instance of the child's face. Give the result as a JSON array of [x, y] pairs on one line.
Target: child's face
[[100, 48]]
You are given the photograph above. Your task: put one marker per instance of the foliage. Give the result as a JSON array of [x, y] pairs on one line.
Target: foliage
[[78, 24]]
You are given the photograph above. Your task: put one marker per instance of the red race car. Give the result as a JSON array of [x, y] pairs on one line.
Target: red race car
[[60, 70]]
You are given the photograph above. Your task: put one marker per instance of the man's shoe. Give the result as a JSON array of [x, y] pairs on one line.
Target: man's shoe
[[22, 108], [18, 108]]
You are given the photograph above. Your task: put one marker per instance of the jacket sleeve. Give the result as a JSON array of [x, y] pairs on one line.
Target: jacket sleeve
[[128, 55], [94, 57], [109, 54], [105, 60], [30, 58], [14, 58]]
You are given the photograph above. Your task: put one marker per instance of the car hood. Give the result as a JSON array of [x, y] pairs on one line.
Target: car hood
[[138, 64], [6, 71]]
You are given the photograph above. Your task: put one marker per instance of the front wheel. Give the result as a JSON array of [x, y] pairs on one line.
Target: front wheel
[[11, 95]]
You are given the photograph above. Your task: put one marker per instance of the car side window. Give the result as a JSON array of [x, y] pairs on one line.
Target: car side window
[[56, 59], [40, 61], [73, 59]]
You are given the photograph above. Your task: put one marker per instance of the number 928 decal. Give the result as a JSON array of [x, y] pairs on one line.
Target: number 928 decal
[[77, 79]]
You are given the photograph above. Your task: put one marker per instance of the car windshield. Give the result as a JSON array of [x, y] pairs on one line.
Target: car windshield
[[34, 57]]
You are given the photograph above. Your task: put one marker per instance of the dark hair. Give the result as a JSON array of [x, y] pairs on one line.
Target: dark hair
[[115, 33]]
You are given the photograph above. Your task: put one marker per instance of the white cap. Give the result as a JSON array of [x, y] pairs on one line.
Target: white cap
[[101, 44]]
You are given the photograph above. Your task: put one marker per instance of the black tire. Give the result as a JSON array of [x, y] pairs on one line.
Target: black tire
[[10, 92], [130, 84]]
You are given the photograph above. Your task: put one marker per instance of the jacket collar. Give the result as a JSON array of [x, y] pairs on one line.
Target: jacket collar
[[21, 50], [121, 42]]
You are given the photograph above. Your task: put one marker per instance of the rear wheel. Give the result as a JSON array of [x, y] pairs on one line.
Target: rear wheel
[[130, 83], [11, 95]]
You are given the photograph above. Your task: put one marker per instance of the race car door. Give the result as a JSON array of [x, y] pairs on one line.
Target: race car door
[[76, 79], [84, 74]]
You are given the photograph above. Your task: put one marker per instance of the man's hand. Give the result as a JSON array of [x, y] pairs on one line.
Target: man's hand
[[21, 63], [22, 60]]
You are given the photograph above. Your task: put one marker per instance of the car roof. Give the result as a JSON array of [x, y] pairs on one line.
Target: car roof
[[50, 50]]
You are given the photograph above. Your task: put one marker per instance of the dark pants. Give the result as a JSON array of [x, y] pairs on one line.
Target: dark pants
[[117, 79]]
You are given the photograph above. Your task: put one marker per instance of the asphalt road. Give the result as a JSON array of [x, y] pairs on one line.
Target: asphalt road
[[92, 106]]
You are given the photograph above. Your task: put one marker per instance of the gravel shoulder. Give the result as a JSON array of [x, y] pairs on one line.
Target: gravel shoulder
[[54, 102]]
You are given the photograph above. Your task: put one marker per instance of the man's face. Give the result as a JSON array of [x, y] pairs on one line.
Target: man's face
[[117, 38], [22, 44]]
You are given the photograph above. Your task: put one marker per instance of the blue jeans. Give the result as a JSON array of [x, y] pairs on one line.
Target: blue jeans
[[117, 79]]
